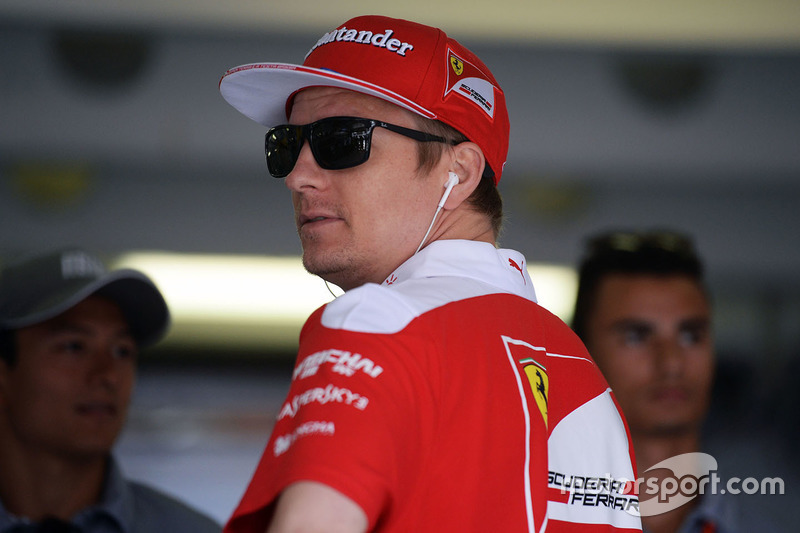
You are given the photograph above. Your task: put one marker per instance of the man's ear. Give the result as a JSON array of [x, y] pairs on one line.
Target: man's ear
[[468, 163]]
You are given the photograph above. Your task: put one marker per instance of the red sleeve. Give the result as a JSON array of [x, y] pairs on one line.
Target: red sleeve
[[344, 382]]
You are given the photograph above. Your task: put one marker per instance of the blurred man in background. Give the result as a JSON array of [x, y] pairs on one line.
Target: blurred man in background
[[70, 333], [644, 313]]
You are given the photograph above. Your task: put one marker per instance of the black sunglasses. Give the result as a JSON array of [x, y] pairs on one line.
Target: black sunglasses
[[336, 142], [665, 241]]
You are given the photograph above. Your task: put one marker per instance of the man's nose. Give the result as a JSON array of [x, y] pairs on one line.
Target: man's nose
[[104, 366], [306, 172], [670, 357]]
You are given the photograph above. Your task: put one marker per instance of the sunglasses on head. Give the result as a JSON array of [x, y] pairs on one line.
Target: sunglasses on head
[[336, 142], [665, 241]]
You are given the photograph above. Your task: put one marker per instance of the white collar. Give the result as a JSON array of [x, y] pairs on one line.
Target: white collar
[[503, 268]]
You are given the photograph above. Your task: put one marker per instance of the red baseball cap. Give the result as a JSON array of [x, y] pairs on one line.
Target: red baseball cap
[[414, 66]]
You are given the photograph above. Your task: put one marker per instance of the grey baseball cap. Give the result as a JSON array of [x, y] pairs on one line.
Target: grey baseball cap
[[40, 288]]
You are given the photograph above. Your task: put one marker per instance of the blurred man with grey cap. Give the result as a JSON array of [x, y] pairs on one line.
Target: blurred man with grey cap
[[70, 332]]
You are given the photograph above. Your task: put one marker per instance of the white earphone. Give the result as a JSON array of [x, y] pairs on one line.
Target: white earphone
[[452, 181]]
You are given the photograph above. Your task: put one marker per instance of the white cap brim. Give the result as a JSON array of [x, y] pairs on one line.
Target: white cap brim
[[261, 91]]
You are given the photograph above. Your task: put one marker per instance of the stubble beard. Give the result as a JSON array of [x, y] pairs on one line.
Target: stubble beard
[[336, 266]]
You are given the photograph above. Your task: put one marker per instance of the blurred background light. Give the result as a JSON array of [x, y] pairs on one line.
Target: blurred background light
[[249, 301]]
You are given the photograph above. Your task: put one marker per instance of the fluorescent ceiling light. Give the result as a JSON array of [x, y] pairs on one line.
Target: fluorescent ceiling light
[[556, 288], [712, 23], [259, 302]]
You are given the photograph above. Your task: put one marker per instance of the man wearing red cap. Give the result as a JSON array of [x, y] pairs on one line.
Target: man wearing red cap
[[435, 394]]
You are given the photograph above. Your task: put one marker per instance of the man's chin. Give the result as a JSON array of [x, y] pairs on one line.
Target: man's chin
[[327, 270], [672, 427]]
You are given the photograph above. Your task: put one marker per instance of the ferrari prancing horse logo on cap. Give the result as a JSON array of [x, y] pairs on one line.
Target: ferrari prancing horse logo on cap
[[468, 81]]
